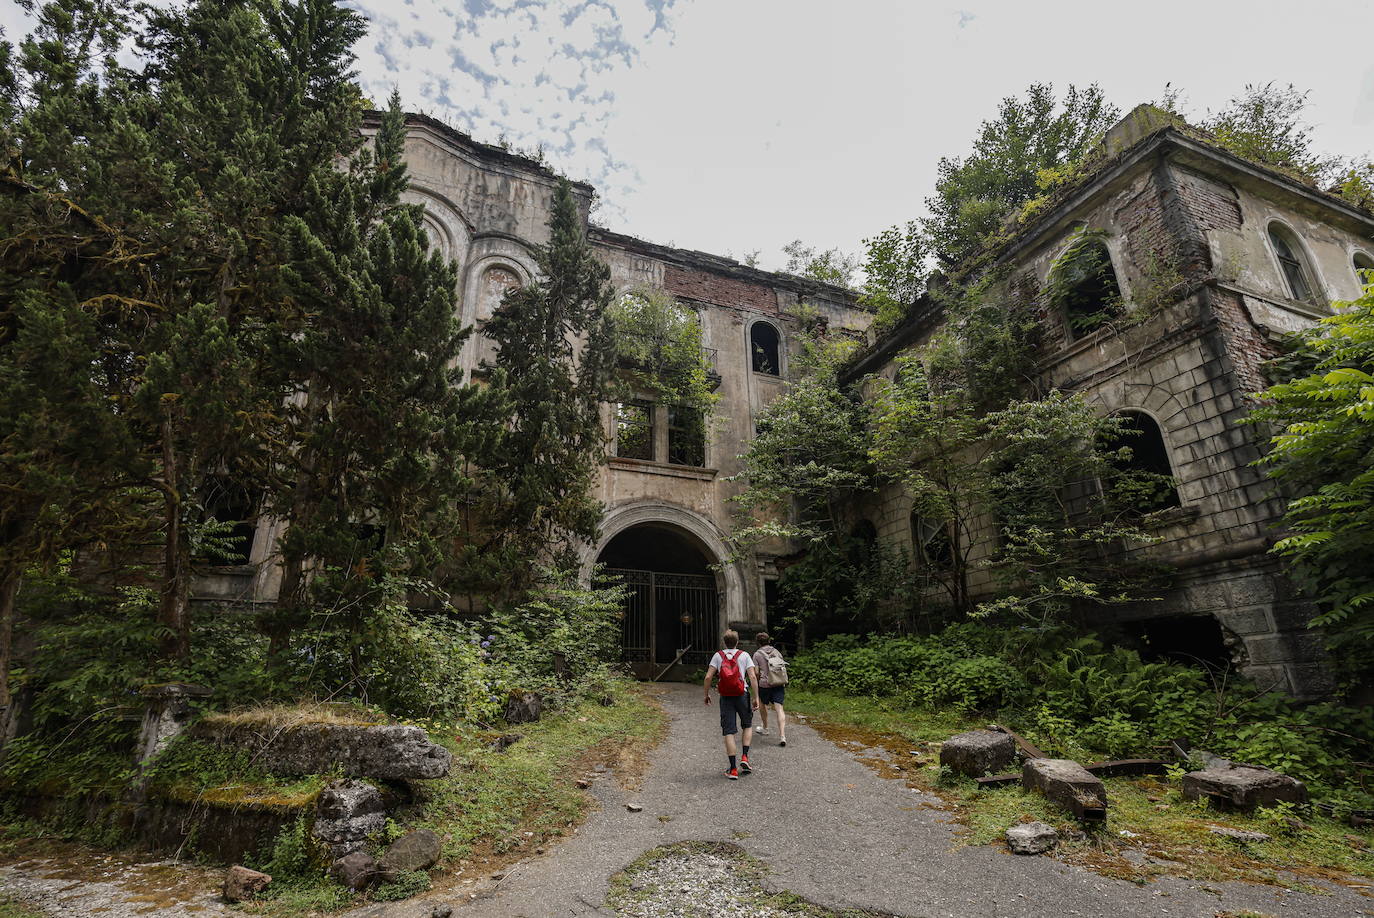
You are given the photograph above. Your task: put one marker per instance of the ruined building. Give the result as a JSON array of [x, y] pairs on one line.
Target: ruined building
[[1197, 261], [1213, 257], [668, 514]]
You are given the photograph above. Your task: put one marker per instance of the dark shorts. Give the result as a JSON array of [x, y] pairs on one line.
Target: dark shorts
[[732, 705], [771, 694]]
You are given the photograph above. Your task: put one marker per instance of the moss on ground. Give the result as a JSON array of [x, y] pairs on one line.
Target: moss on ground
[[9, 908], [1152, 830]]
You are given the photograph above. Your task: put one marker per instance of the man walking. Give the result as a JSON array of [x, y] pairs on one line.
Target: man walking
[[737, 683], [772, 679]]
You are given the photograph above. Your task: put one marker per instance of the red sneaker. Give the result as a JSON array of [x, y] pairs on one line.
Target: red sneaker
[[744, 764], [732, 774]]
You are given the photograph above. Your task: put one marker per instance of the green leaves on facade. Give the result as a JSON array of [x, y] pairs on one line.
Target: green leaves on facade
[[1322, 453]]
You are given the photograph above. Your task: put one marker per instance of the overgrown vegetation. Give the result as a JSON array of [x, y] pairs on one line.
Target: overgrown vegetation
[[1079, 697], [218, 307], [1146, 816], [1322, 452]]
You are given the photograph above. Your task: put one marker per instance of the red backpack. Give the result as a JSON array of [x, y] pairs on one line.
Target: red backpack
[[731, 680]]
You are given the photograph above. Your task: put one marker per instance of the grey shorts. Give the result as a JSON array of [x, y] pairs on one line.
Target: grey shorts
[[772, 694], [732, 705]]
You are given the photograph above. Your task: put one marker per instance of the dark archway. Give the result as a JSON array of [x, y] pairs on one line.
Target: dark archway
[[674, 601]]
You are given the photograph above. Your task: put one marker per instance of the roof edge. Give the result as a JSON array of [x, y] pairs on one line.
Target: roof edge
[[373, 117], [724, 265]]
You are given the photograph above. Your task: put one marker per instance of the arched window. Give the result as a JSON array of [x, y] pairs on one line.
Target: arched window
[[1297, 276], [765, 348], [1145, 480], [930, 543], [1083, 286], [1364, 268]]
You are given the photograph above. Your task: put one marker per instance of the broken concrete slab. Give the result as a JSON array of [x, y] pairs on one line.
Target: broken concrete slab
[[1243, 787], [1032, 838], [387, 751], [1068, 784], [978, 752]]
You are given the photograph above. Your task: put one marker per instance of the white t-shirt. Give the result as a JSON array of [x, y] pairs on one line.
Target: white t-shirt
[[742, 659]]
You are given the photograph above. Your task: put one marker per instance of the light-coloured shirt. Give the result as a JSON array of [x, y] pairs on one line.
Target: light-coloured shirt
[[745, 661]]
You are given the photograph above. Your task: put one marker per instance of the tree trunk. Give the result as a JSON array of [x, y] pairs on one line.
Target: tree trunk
[[9, 592], [174, 609]]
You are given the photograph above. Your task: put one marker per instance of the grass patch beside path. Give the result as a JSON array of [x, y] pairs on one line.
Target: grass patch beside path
[[493, 803], [9, 908], [1151, 831]]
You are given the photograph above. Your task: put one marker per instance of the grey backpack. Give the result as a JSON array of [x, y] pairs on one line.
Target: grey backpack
[[777, 666]]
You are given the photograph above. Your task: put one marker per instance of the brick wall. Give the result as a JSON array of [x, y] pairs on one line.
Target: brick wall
[[1247, 348], [722, 291], [1213, 206]]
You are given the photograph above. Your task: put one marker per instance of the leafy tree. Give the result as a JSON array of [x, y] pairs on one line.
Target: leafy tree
[[1323, 454], [554, 366], [1031, 136], [658, 342], [895, 272], [829, 266], [1265, 123]]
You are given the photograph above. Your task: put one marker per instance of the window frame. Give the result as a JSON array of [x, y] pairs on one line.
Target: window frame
[[1278, 233], [649, 426], [778, 343]]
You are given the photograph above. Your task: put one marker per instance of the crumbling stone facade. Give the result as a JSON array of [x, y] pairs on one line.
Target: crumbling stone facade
[[487, 210], [1203, 246]]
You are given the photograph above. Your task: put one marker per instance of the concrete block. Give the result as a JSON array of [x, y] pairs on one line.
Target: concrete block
[[1242, 787], [978, 752], [1068, 784], [1252, 591], [1269, 678], [1254, 620]]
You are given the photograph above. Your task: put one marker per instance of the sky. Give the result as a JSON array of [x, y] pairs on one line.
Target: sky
[[735, 126]]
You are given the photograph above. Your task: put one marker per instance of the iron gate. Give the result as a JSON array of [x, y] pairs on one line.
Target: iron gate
[[665, 613]]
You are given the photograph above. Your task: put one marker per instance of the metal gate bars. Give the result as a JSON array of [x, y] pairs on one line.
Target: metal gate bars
[[665, 613]]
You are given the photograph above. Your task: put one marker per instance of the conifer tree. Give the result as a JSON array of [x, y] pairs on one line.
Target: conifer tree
[[379, 423], [553, 366]]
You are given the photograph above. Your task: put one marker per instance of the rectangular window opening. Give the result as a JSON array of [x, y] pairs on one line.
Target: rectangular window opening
[[634, 434]]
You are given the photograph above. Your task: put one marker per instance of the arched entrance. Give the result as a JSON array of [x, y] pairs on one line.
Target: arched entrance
[[674, 602]]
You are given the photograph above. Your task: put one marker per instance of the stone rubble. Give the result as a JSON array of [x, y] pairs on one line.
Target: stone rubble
[[347, 813], [1032, 838], [241, 883], [418, 849]]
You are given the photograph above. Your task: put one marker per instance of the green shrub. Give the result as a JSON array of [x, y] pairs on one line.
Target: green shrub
[[407, 883]]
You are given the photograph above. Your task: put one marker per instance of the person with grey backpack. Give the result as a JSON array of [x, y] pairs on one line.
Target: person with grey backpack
[[772, 670]]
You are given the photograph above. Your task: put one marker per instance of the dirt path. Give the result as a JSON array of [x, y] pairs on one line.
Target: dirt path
[[830, 830]]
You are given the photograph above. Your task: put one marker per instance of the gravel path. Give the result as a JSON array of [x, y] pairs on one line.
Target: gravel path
[[831, 831]]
